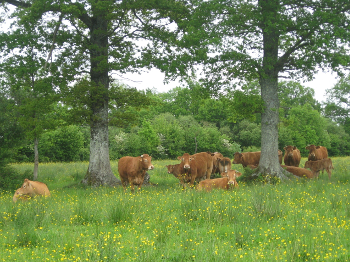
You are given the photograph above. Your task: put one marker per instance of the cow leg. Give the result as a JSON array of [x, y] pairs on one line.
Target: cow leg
[[124, 183], [193, 178], [329, 173]]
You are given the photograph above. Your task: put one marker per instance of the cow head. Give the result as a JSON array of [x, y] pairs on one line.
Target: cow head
[[146, 162], [312, 152], [238, 158], [289, 150], [186, 160], [170, 168], [232, 178], [224, 164]]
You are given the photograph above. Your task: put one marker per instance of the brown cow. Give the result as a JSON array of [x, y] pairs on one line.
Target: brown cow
[[224, 164], [216, 156], [199, 166], [320, 165], [292, 156], [298, 171], [247, 159], [226, 182], [132, 170], [251, 159], [235, 173], [180, 173], [31, 189], [280, 156], [316, 152]]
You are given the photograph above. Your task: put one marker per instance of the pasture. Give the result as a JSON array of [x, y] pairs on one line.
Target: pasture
[[305, 220]]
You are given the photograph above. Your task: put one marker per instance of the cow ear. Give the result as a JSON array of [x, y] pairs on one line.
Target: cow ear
[[179, 157], [308, 147], [285, 148], [294, 147], [317, 147]]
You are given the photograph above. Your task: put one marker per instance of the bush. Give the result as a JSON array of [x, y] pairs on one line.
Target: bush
[[10, 179]]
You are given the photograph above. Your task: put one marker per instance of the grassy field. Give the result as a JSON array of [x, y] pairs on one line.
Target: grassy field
[[306, 220]]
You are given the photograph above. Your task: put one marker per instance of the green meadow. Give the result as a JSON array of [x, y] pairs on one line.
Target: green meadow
[[303, 220]]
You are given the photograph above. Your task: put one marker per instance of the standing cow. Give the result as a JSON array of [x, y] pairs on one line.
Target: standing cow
[[292, 156], [216, 158], [198, 166], [31, 189], [132, 170], [224, 164], [316, 152], [247, 159]]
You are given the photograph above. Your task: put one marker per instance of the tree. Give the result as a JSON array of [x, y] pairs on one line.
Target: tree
[[32, 92], [338, 101], [292, 94], [264, 40], [95, 38]]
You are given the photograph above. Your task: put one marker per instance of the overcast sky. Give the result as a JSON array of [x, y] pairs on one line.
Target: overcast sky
[[154, 79]]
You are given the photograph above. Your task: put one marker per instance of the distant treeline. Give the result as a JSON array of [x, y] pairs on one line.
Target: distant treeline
[[193, 120]]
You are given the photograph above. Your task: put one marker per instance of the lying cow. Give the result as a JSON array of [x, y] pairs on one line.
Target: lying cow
[[320, 165], [132, 170], [316, 152], [228, 173], [292, 156], [198, 166], [298, 171], [31, 189], [226, 182]]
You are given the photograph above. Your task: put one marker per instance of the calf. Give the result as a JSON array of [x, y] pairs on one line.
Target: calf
[[227, 182], [298, 171], [132, 170], [235, 173], [292, 156], [320, 165], [179, 172], [316, 152], [31, 189]]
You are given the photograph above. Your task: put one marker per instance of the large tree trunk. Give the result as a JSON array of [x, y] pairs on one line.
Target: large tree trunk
[[36, 159], [269, 163], [269, 86], [99, 170]]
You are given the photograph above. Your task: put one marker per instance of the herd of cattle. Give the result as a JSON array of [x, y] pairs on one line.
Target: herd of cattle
[[201, 168]]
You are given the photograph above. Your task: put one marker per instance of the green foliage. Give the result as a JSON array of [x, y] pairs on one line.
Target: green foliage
[[292, 94], [148, 138], [11, 179], [64, 144], [304, 126], [338, 101], [247, 134], [244, 105]]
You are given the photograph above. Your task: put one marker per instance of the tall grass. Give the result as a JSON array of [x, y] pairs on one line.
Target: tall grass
[[298, 221]]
